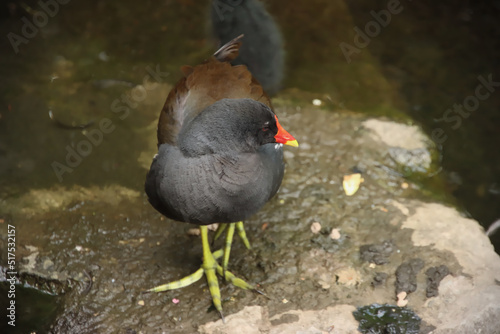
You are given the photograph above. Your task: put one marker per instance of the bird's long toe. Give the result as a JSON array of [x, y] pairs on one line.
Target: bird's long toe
[[211, 268]]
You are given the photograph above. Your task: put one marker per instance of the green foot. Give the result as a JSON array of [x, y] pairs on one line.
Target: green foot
[[210, 267], [240, 229]]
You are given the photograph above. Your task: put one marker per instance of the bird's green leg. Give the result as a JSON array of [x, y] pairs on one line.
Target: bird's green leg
[[240, 229], [183, 282], [227, 248], [219, 231], [209, 266], [243, 236], [229, 241], [238, 282]]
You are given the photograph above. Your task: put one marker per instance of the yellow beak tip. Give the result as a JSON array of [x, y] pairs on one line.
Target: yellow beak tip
[[293, 143]]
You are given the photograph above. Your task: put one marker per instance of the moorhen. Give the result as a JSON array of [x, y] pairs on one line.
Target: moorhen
[[262, 51], [220, 157]]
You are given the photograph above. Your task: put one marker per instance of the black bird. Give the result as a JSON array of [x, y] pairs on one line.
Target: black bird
[[263, 50], [220, 157]]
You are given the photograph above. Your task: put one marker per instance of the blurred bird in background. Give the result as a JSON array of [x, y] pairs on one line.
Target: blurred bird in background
[[262, 51]]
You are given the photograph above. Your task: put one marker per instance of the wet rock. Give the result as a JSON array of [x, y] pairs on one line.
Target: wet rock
[[348, 277], [286, 318], [406, 275], [467, 302], [409, 137], [377, 253], [44, 200], [434, 277], [409, 147], [379, 279], [256, 320], [325, 241], [112, 233]]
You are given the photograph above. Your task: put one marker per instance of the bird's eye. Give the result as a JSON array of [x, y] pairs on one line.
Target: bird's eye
[[266, 127]]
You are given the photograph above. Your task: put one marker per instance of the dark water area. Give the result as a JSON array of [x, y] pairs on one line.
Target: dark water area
[[433, 64], [35, 310], [444, 60]]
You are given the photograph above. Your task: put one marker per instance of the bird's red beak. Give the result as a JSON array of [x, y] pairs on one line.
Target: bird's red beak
[[283, 137]]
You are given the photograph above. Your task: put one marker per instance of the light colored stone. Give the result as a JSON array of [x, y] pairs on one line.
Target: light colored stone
[[335, 234], [468, 303], [255, 320], [444, 228], [408, 137], [348, 277], [408, 145], [315, 227], [252, 319], [404, 210]]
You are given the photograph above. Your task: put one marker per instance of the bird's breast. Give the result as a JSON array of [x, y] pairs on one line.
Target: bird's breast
[[216, 188]]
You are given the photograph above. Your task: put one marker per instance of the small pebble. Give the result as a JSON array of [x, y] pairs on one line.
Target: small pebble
[[317, 102], [213, 227], [140, 302], [193, 231], [315, 227], [103, 56], [335, 234], [402, 302]]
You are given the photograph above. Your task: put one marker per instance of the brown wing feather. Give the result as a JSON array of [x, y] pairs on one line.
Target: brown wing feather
[[229, 51], [203, 85]]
